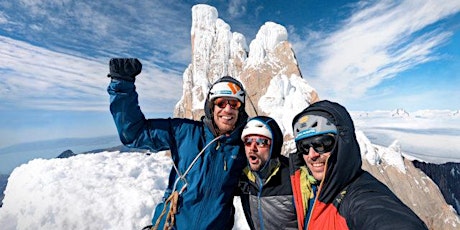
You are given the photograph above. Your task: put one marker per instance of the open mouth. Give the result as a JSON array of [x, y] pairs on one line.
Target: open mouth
[[253, 159]]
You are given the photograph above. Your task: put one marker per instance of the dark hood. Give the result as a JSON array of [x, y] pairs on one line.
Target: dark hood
[[344, 164]]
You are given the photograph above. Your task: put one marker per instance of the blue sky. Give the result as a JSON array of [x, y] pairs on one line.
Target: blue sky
[[368, 55]]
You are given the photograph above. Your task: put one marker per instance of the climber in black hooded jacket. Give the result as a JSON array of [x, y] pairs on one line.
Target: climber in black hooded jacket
[[331, 191]]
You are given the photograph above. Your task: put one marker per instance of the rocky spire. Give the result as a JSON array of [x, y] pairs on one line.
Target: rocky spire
[[216, 52]]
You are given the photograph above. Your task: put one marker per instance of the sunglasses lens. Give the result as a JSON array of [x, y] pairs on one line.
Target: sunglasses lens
[[321, 144], [260, 142], [235, 104], [222, 103]]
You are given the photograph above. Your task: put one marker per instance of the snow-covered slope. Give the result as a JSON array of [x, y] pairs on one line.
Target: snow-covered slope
[[108, 190]]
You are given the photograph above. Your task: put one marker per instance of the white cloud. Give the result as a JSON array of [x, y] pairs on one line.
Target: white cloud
[[128, 28], [35, 77], [3, 18], [237, 8], [375, 43]]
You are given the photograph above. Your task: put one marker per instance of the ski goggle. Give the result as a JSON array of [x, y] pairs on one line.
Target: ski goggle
[[321, 144], [261, 142], [223, 102]]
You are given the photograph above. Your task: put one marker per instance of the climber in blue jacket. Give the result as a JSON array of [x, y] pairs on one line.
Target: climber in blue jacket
[[208, 155]]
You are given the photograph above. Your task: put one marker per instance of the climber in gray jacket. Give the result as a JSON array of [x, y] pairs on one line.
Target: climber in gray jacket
[[266, 198]]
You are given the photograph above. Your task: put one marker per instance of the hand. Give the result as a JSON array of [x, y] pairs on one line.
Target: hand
[[124, 68]]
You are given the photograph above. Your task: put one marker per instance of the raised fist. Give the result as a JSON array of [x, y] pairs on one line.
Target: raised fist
[[124, 68]]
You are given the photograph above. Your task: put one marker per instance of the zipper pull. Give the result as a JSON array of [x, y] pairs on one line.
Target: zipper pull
[[225, 165]]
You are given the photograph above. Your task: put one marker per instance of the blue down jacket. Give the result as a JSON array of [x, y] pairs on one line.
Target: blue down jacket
[[207, 202]]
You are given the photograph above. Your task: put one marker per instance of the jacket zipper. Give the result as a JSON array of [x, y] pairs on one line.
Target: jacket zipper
[[259, 204], [208, 191]]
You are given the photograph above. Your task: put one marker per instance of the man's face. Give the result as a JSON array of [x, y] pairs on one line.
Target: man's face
[[257, 149], [316, 163], [316, 150], [226, 113]]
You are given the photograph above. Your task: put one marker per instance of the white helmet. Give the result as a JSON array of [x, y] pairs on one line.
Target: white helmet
[[226, 89], [255, 126]]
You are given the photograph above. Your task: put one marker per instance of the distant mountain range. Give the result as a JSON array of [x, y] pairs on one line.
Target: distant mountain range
[[15, 155], [3, 182], [121, 148], [77, 144]]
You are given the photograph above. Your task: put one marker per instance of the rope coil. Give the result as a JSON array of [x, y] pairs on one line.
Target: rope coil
[[170, 217]]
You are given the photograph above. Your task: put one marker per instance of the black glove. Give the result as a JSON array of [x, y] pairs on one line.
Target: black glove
[[124, 68]]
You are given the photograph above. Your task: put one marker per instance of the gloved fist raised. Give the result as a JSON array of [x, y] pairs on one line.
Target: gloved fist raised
[[124, 68]]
